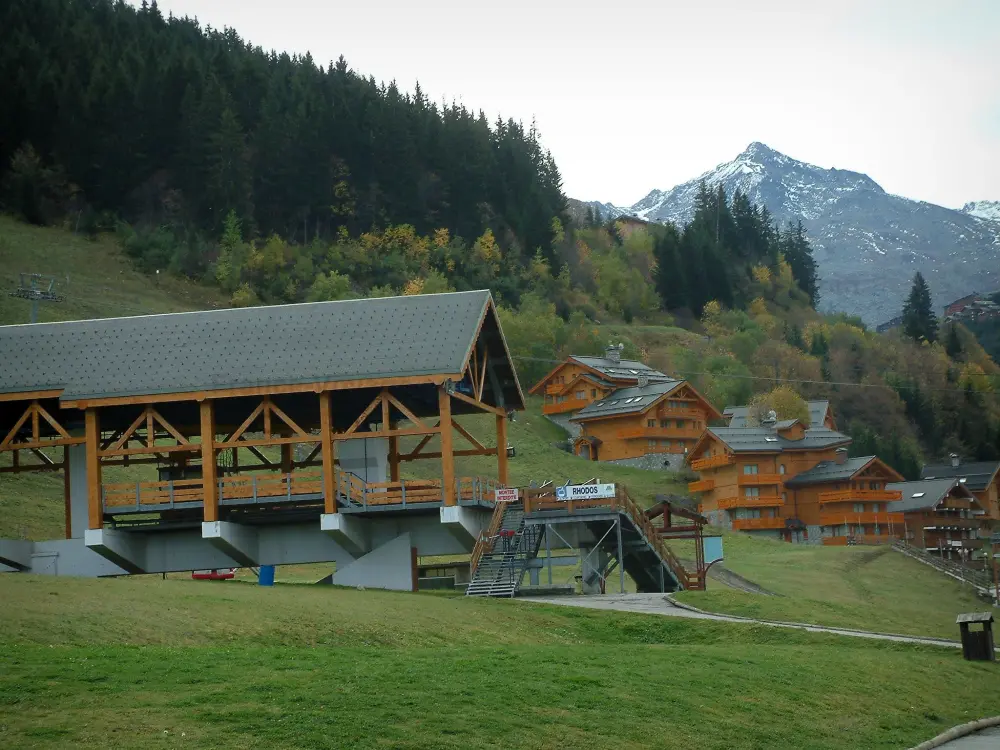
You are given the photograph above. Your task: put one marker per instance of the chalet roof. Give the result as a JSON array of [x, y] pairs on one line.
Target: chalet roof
[[626, 401], [977, 476], [768, 440], [830, 471], [387, 337], [626, 368], [924, 494], [738, 415]]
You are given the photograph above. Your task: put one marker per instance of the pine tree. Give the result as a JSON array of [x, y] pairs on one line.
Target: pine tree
[[919, 321], [953, 345]]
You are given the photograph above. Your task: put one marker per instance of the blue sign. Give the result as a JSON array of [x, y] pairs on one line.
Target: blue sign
[[713, 549], [560, 493]]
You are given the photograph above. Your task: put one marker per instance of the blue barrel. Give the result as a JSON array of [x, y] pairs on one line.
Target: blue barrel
[[266, 577]]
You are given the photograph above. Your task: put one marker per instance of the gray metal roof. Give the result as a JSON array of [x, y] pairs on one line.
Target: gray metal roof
[[977, 476], [738, 414], [258, 346], [626, 369], [830, 471], [924, 494], [626, 401], [768, 440]]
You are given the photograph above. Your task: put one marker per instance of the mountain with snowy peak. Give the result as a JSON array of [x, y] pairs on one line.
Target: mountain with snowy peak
[[868, 244]]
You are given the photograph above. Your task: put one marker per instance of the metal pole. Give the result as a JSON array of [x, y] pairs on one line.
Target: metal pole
[[548, 552], [621, 562], [34, 310]]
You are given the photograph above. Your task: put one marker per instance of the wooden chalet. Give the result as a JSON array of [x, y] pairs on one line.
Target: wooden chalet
[[582, 380], [790, 481], [981, 478], [942, 516], [652, 419], [255, 418]]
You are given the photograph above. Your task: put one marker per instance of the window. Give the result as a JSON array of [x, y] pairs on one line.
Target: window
[[665, 443], [781, 469], [651, 443], [680, 424], [593, 393], [548, 399], [750, 469], [859, 507], [580, 395], [650, 423], [751, 492], [875, 507], [664, 423], [873, 486], [784, 497]]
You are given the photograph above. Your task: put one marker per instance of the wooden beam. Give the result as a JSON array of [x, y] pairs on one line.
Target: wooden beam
[[326, 433], [48, 418], [394, 459], [30, 395], [386, 422], [385, 433], [181, 440], [264, 390], [286, 419], [268, 441], [482, 376], [95, 511], [235, 435], [190, 448], [9, 440], [208, 474], [286, 458], [364, 415], [128, 432], [260, 456], [478, 404], [456, 454], [468, 436], [447, 456], [502, 449]]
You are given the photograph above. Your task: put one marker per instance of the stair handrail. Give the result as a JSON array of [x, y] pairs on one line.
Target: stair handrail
[[499, 509], [640, 520]]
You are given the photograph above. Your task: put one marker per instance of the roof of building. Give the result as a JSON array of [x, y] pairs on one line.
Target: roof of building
[[257, 346], [626, 368], [830, 471], [977, 476], [738, 415], [626, 401], [768, 440], [923, 494]]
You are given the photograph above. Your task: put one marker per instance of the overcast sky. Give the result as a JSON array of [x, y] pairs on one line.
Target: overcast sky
[[631, 96]]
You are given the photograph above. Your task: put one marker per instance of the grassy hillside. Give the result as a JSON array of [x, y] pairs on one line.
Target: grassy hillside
[[869, 588], [97, 281], [134, 663]]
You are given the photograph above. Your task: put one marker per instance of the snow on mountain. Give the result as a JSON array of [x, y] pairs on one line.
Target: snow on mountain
[[868, 244], [983, 209]]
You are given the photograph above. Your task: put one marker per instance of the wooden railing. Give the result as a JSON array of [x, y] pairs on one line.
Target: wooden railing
[[755, 480], [134, 494], [702, 485], [746, 501], [713, 462], [486, 537], [679, 413], [744, 524], [858, 519], [846, 496], [676, 433], [258, 486]]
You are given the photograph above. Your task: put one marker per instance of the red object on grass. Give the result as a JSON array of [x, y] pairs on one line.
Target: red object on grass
[[223, 574]]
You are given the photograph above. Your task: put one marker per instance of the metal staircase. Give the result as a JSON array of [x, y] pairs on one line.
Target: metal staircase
[[502, 553]]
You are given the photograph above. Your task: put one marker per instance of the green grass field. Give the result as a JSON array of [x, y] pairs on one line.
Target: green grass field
[[141, 662], [869, 588]]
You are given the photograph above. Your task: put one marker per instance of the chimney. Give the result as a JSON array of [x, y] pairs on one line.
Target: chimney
[[614, 353], [955, 460], [643, 381], [770, 420], [841, 456]]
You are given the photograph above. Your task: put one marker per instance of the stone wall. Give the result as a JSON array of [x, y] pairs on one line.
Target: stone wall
[[562, 420], [652, 461]]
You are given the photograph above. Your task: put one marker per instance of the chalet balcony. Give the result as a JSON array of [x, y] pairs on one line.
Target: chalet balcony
[[746, 501], [860, 519], [753, 524], [859, 496], [933, 544], [713, 462], [671, 433], [679, 413], [756, 480], [553, 388], [703, 485], [943, 522]]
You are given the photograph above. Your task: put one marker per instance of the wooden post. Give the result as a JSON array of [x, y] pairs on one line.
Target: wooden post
[[394, 459], [502, 450], [326, 435], [95, 508], [286, 458], [208, 474], [67, 495], [447, 451]]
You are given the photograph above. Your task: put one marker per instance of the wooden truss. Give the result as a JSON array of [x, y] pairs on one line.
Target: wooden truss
[[36, 413], [144, 431]]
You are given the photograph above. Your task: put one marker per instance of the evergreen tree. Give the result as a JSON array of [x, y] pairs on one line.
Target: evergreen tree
[[919, 321], [953, 344], [798, 254]]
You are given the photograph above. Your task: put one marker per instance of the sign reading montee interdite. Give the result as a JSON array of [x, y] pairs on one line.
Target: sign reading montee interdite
[[584, 491]]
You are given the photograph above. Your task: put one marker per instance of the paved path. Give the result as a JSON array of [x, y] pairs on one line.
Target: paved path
[[988, 739], [658, 604]]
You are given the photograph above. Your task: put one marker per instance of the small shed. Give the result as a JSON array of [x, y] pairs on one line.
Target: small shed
[[977, 645]]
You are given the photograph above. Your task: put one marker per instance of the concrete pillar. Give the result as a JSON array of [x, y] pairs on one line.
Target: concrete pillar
[[387, 567], [77, 455], [595, 562]]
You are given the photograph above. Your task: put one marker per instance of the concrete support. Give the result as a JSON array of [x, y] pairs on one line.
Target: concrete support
[[16, 553], [123, 549], [367, 459], [466, 524], [349, 533], [78, 512], [387, 567], [595, 562], [232, 540]]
